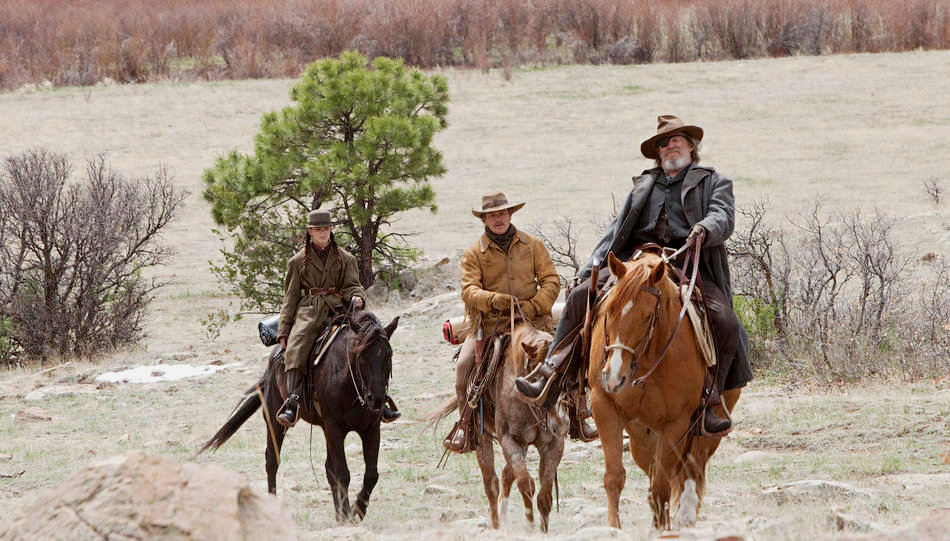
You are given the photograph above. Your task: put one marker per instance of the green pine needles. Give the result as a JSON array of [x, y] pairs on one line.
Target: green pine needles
[[358, 142]]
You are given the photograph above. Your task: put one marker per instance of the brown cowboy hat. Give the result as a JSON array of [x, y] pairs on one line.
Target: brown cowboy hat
[[668, 125], [496, 201], [319, 218]]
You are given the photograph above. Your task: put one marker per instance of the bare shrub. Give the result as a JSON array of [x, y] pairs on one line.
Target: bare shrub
[[839, 298], [562, 245], [934, 188], [72, 254]]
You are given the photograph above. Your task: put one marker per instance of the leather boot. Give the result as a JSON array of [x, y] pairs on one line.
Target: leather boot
[[586, 431], [456, 440], [713, 425], [390, 411], [288, 412], [538, 382]]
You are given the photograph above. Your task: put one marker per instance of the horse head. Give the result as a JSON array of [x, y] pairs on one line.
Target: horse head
[[371, 358], [534, 343], [629, 316]]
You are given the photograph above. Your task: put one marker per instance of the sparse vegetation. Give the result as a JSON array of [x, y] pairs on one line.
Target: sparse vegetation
[[835, 298], [81, 44], [72, 255]]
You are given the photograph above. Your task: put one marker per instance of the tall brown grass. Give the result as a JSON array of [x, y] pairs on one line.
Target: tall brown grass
[[81, 42]]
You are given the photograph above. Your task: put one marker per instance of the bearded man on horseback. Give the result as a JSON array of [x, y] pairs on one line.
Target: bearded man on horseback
[[504, 269], [673, 203], [322, 280]]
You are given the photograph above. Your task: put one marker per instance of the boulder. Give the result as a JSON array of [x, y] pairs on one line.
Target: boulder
[[935, 527], [31, 415], [142, 496]]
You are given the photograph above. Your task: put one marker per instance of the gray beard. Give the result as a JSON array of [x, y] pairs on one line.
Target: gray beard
[[676, 164]]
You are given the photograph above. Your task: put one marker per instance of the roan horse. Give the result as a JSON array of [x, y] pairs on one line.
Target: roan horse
[[629, 335], [516, 425], [347, 395]]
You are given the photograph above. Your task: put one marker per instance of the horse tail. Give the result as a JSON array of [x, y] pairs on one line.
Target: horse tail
[[433, 418], [242, 412]]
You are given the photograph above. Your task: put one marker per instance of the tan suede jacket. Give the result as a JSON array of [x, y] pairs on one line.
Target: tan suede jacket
[[526, 272]]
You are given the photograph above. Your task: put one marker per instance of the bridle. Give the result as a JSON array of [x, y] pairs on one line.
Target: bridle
[[643, 344], [356, 374]]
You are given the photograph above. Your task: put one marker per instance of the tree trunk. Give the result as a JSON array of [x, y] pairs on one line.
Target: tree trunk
[[367, 243]]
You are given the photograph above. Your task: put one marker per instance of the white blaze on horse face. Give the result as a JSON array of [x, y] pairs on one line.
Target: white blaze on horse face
[[615, 365], [626, 308]]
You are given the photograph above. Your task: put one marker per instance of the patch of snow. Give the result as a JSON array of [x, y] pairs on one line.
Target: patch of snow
[[161, 372]]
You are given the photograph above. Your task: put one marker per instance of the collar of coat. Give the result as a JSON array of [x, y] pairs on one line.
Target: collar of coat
[[485, 242], [694, 176]]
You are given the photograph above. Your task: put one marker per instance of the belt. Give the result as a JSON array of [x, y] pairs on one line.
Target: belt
[[314, 291]]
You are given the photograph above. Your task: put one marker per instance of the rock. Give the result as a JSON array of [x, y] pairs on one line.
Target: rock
[[813, 488], [6, 457], [935, 527], [394, 297], [841, 521], [31, 415], [751, 456], [438, 489], [141, 496], [595, 533]]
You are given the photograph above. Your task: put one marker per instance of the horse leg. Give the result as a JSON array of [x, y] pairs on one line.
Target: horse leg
[[486, 461], [667, 467], [515, 457], [275, 437], [611, 440], [550, 459], [370, 457], [507, 479], [338, 475]]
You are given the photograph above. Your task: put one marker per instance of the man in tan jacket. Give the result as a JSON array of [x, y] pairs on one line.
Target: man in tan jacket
[[504, 263]]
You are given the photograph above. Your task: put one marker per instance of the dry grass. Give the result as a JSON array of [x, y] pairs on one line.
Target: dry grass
[[847, 127], [81, 43]]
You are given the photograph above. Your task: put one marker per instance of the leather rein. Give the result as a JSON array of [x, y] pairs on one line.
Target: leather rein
[[643, 344]]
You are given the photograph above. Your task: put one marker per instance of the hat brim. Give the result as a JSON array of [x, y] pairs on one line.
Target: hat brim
[[649, 149], [515, 207]]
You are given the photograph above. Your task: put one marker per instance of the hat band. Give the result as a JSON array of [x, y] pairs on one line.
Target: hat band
[[493, 204]]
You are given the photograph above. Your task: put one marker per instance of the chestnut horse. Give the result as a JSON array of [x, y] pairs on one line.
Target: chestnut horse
[[346, 395], [629, 336], [516, 425]]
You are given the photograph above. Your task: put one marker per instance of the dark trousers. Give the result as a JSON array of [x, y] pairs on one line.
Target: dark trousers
[[722, 317]]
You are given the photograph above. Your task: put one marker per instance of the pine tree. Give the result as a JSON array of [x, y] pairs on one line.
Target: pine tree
[[358, 142]]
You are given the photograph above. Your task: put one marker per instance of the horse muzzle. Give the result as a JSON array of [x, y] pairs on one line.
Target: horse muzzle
[[616, 386]]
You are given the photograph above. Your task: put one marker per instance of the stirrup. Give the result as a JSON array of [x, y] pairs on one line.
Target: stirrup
[[701, 424], [283, 409], [541, 399], [449, 442]]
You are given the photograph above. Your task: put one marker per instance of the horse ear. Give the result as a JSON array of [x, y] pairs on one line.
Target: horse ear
[[658, 272], [617, 268], [391, 328], [531, 348]]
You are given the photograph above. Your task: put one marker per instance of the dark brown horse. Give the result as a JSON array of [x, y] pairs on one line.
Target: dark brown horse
[[630, 334], [516, 425], [347, 395]]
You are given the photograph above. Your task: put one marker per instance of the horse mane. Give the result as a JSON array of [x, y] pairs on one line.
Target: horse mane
[[629, 286], [367, 330]]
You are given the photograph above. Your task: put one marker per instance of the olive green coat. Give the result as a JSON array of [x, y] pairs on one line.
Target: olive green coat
[[303, 316]]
